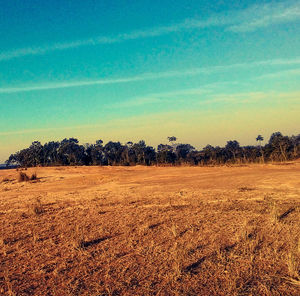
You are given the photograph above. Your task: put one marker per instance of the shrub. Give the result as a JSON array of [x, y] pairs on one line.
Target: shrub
[[33, 176], [23, 177]]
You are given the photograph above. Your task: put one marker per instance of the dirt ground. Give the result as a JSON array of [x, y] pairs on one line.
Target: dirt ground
[[151, 231]]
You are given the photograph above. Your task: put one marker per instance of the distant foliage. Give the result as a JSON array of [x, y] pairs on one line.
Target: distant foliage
[[70, 152]]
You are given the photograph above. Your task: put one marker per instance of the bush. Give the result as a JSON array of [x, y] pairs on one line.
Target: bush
[[33, 177], [23, 177]]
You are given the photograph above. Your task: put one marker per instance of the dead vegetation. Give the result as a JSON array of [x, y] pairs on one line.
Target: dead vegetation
[[23, 177], [152, 231], [37, 207]]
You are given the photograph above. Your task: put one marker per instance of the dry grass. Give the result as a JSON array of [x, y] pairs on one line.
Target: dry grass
[[33, 177], [151, 231], [22, 177], [37, 207]]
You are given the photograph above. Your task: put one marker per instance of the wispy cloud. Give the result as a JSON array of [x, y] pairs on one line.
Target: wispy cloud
[[249, 19], [168, 97], [264, 15], [150, 76], [252, 97], [70, 84], [40, 130], [278, 74], [157, 98]]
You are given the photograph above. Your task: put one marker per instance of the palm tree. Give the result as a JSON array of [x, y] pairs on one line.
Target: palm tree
[[172, 140], [259, 139]]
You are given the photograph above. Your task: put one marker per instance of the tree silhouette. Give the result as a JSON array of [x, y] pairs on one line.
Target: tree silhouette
[[113, 151], [295, 140], [182, 151], [70, 152], [280, 145], [259, 139], [172, 139], [233, 147], [99, 142]]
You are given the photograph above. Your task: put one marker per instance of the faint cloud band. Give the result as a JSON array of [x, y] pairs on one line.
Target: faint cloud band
[[247, 20], [158, 75]]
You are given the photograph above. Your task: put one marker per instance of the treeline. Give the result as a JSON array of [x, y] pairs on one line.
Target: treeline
[[70, 152]]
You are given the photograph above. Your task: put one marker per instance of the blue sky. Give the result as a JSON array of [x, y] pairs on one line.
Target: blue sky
[[204, 71]]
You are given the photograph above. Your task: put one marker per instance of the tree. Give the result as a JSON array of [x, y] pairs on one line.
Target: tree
[[150, 155], [129, 157], [50, 153], [172, 139], [36, 153], [129, 144], [113, 152], [279, 145], [296, 145], [95, 154], [99, 142], [139, 151], [71, 153], [182, 151], [233, 147], [259, 139], [209, 154], [165, 154], [163, 147]]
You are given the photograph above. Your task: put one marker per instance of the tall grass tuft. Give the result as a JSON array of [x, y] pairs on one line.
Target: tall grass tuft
[[23, 177], [33, 176]]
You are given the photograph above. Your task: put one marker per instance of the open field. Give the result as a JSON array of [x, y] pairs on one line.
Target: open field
[[151, 231]]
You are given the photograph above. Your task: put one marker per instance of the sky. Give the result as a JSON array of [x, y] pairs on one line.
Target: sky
[[203, 71]]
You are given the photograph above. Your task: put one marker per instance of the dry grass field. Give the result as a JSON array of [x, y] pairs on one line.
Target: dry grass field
[[151, 231]]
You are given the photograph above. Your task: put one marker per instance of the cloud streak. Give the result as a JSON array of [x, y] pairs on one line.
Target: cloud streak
[[253, 97], [247, 20], [158, 98], [261, 16], [168, 97], [279, 74], [50, 129], [152, 76]]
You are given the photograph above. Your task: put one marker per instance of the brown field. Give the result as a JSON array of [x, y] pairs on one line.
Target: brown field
[[151, 231]]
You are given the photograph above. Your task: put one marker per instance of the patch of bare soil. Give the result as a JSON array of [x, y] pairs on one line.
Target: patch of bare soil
[[151, 231]]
